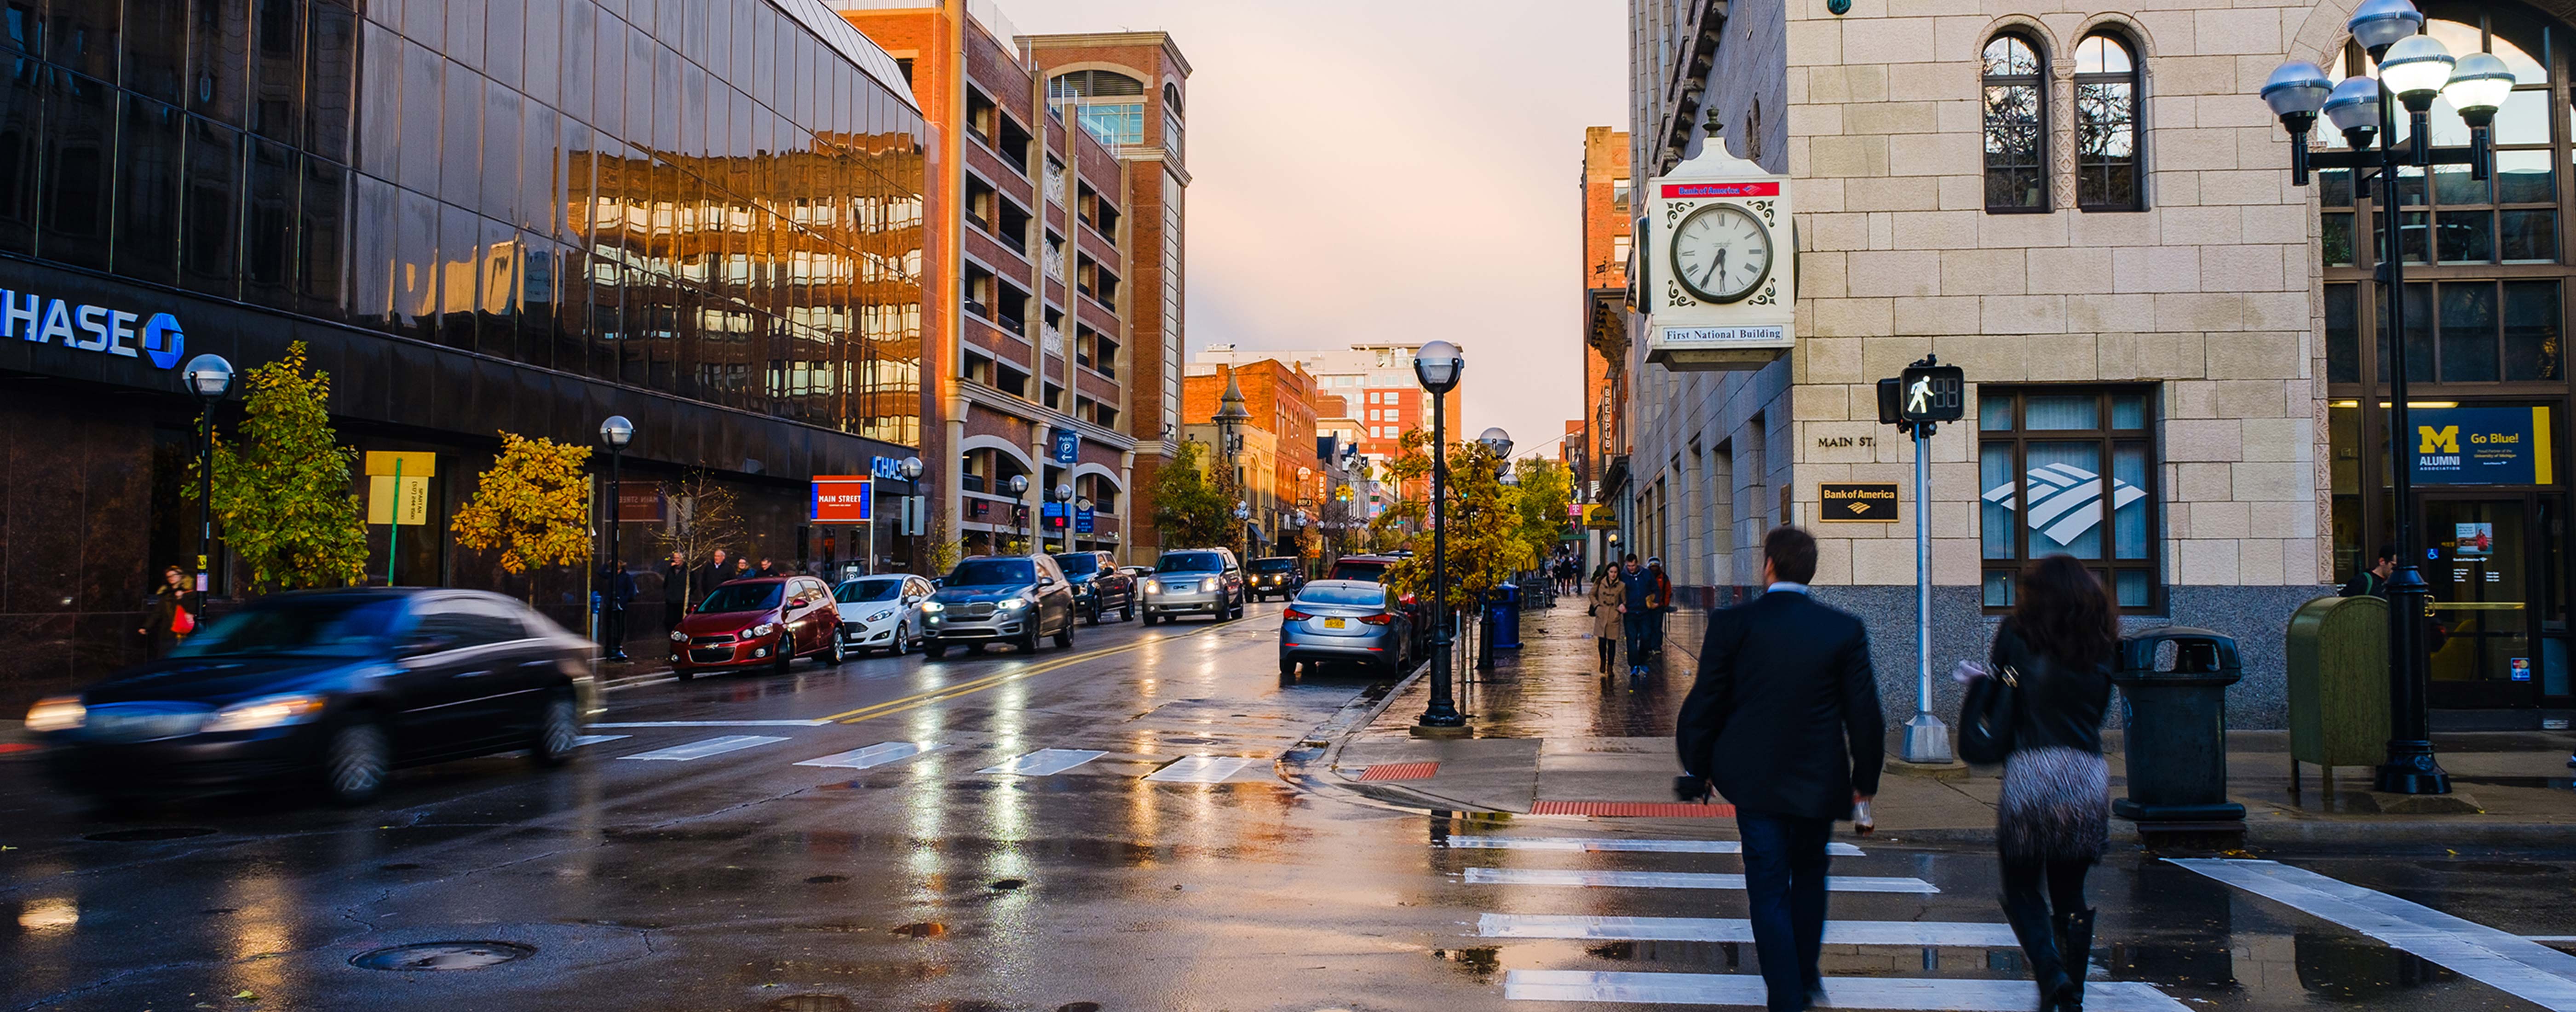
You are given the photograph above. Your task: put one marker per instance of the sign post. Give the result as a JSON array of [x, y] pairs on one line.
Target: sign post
[[1928, 394], [398, 496]]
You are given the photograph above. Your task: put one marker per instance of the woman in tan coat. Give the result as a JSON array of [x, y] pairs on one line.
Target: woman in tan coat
[[1607, 593]]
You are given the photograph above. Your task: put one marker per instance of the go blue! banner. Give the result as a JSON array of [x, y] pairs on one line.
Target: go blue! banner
[[2483, 446]]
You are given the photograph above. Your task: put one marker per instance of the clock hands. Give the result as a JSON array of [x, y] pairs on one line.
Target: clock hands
[[1715, 270]]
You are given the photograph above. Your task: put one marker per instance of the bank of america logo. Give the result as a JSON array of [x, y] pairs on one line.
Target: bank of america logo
[[2065, 501]]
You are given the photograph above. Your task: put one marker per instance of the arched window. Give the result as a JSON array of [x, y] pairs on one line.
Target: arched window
[[1109, 104], [2106, 125], [2016, 75]]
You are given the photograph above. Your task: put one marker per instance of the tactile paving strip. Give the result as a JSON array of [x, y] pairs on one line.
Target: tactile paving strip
[[1651, 809], [1400, 771]]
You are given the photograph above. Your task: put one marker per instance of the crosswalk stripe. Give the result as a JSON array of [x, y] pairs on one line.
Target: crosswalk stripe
[[1677, 880], [2525, 969], [878, 754], [702, 749], [1045, 762], [1201, 769], [594, 739], [1935, 934], [717, 723], [1918, 994], [1599, 845]]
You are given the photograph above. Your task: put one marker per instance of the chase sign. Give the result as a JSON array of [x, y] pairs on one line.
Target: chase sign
[[32, 317]]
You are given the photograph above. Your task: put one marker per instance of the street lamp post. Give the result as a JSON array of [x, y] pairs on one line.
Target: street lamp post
[[1064, 510], [209, 377], [1019, 507], [912, 514], [1437, 366], [616, 432], [2413, 70]]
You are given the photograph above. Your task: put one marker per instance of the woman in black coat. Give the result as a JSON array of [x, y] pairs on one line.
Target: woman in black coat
[[2054, 816]]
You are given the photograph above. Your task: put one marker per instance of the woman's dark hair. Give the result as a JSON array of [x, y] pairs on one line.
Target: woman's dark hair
[[2061, 610]]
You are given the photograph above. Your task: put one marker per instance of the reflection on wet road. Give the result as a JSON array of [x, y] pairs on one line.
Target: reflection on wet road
[[1102, 828]]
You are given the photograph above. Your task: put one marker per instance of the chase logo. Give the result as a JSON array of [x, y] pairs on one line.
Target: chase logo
[[32, 317]]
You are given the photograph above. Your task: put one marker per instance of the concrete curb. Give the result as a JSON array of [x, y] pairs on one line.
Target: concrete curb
[[1316, 775]]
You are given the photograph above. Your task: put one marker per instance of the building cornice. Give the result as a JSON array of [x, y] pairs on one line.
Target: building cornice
[[989, 398]]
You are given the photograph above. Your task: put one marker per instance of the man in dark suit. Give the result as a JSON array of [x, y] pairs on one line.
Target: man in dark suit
[[1784, 722]]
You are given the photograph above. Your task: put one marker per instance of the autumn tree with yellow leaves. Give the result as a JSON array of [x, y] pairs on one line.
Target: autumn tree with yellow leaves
[[533, 505]]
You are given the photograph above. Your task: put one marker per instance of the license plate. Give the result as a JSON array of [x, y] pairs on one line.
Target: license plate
[[1336, 623]]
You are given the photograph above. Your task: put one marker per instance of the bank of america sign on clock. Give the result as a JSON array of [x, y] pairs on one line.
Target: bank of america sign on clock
[[1721, 285]]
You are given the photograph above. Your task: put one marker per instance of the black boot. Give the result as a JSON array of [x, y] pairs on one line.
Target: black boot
[[2031, 926], [2075, 945]]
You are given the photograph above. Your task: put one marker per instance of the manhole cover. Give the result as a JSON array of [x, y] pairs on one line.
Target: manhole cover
[[442, 956], [149, 834]]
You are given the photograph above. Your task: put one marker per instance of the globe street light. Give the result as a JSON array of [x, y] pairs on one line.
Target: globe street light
[[1437, 366], [209, 377], [616, 432], [913, 508], [1064, 509], [1019, 491], [2413, 70]]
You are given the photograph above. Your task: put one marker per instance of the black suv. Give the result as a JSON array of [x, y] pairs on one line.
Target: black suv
[[1099, 586], [1279, 576]]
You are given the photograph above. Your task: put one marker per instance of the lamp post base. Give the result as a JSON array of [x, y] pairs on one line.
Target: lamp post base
[[1927, 740], [2412, 769]]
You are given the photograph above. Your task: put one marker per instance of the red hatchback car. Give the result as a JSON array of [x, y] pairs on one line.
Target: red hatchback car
[[767, 621]]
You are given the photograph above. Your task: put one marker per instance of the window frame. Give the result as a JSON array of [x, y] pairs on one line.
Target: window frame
[[2136, 78], [2109, 438], [2038, 82]]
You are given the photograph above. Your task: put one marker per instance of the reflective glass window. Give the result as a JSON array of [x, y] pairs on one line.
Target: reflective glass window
[[540, 72], [210, 222], [460, 276], [330, 69], [608, 85], [499, 174], [321, 239], [22, 103], [2107, 126], [461, 137], [269, 220], [276, 107], [2016, 125], [416, 165], [150, 141], [465, 32], [374, 252], [84, 37], [218, 59], [80, 139], [156, 57], [505, 29], [415, 264]]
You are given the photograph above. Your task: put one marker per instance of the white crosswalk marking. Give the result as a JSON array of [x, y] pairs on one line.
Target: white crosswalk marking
[[1045, 762], [1676, 880], [701, 749], [1201, 769], [1914, 995], [878, 754], [2517, 966], [1604, 845], [1937, 934], [594, 739]]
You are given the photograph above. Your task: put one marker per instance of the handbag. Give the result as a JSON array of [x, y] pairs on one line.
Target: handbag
[[1987, 716], [182, 623]]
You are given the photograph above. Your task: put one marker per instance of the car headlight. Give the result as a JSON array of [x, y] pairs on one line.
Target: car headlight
[[1015, 604], [679, 637], [1208, 584], [932, 607], [57, 713], [266, 711], [760, 630], [1153, 586], [882, 616]]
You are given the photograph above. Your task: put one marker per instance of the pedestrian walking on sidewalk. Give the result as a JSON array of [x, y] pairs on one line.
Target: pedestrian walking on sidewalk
[[1606, 595], [2055, 811], [617, 591], [1660, 603], [1636, 612], [166, 619], [1784, 722], [675, 591]]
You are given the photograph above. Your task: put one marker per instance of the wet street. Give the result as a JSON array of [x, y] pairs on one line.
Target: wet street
[[1121, 826]]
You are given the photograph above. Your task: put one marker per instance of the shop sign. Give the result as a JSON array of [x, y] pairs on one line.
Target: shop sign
[[841, 499], [885, 467], [639, 502], [2483, 446], [1083, 520], [1600, 517], [1873, 503], [104, 329]]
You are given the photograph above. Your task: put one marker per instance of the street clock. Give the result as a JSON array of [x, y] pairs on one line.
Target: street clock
[[1720, 281]]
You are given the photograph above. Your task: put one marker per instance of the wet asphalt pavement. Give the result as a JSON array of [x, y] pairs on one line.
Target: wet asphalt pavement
[[739, 879]]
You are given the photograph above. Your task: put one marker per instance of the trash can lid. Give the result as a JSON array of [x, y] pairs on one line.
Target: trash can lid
[[2201, 657]]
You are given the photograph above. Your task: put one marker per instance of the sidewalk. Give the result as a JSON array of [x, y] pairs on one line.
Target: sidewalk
[[1548, 736]]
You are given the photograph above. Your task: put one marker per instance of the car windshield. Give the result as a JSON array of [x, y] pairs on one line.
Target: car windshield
[[307, 627], [869, 590], [1371, 571], [742, 597], [1190, 562], [1273, 565], [1344, 595], [1079, 563], [993, 573]]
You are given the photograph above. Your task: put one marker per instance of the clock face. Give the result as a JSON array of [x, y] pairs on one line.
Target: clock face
[[1721, 253]]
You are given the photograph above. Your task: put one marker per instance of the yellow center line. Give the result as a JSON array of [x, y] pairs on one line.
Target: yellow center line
[[947, 692]]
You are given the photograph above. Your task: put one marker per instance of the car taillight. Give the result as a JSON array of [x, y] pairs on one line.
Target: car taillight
[[1410, 600], [1294, 615], [1379, 619]]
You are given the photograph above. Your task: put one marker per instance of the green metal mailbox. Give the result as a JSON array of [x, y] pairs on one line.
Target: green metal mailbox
[[2338, 654]]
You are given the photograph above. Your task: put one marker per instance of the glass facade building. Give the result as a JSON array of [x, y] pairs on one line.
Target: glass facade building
[[480, 215]]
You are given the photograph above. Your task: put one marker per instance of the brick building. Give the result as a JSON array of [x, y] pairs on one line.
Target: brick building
[[1600, 453], [1280, 399], [1377, 383], [1053, 285]]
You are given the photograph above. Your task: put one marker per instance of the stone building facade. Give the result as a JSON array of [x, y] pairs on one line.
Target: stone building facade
[[2091, 214]]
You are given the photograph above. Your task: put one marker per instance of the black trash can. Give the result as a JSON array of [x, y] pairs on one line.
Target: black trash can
[[1504, 609], [2177, 735]]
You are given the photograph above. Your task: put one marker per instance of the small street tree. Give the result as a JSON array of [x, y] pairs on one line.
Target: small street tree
[[1191, 508], [285, 498], [533, 505], [705, 516], [1403, 475], [1546, 489], [1482, 533], [945, 550]]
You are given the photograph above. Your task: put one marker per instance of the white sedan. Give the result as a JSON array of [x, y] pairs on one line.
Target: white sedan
[[882, 612]]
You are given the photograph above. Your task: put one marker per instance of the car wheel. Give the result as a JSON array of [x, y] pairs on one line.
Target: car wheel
[[1149, 618], [683, 674], [786, 655], [558, 731], [933, 649], [902, 640], [355, 762], [1287, 668], [1064, 636], [836, 653], [1028, 641], [1092, 616], [1128, 615]]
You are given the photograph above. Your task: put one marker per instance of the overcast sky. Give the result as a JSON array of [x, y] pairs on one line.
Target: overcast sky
[[1390, 170]]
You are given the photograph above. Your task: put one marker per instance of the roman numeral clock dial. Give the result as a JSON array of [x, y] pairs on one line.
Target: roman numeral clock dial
[[1721, 253]]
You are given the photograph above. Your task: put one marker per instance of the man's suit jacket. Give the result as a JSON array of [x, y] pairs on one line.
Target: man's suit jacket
[[1785, 685]]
